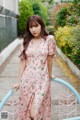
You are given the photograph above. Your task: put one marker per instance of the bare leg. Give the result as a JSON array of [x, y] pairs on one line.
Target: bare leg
[[32, 109]]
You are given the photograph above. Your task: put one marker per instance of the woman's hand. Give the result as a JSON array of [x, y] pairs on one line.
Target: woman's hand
[[51, 76], [16, 86]]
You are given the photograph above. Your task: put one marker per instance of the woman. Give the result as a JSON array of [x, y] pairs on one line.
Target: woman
[[37, 51]]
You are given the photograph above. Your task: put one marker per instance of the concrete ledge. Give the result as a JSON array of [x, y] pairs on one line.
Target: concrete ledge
[[73, 67], [8, 50]]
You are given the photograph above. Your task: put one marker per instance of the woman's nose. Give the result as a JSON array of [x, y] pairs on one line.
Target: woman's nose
[[33, 29]]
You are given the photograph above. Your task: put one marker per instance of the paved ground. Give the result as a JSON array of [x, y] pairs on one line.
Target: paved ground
[[9, 73]]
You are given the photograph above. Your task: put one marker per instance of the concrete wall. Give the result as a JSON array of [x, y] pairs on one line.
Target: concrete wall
[[57, 0], [1, 2], [8, 22], [8, 50], [73, 67], [10, 4]]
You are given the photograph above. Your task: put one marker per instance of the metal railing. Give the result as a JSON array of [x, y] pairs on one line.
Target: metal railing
[[66, 106], [8, 30]]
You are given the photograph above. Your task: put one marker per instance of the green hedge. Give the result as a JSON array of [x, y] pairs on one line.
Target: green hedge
[[50, 29], [60, 17], [25, 10], [28, 8], [40, 9], [68, 16], [68, 39]]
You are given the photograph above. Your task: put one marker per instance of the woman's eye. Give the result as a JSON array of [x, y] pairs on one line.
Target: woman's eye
[[34, 26], [30, 27]]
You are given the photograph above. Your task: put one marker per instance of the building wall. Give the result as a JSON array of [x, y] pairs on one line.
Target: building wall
[[1, 2], [10, 5], [8, 22]]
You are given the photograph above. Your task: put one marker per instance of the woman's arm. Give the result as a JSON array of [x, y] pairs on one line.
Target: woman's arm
[[51, 54], [50, 62], [22, 66], [21, 70]]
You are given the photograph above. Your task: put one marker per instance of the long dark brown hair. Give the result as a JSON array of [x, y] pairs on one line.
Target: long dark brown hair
[[34, 19]]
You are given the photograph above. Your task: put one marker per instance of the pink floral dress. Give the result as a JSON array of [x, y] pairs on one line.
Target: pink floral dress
[[35, 82]]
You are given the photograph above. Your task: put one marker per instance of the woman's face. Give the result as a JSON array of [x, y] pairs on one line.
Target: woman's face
[[35, 29]]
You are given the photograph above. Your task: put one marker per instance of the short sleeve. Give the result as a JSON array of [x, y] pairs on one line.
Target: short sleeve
[[51, 45]]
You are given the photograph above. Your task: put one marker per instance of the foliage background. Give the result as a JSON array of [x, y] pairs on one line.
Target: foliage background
[[28, 8]]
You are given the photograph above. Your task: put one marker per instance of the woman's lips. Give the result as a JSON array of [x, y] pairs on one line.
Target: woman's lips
[[34, 33]]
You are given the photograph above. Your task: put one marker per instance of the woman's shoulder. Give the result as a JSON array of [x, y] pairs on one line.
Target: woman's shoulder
[[50, 37]]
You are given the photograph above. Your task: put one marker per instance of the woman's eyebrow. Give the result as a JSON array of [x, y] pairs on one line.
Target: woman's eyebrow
[[33, 25]]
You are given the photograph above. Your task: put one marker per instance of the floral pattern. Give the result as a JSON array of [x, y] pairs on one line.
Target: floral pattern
[[35, 82]]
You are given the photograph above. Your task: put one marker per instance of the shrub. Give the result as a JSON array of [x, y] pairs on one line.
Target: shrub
[[50, 28], [25, 10], [74, 15], [59, 6], [75, 39], [39, 9], [61, 17], [76, 2], [69, 15], [68, 39], [72, 20], [56, 9], [63, 36]]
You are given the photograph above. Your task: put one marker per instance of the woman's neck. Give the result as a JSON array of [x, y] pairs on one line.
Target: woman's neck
[[37, 37]]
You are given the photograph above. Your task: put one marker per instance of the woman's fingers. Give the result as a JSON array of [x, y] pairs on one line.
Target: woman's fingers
[[53, 76], [16, 86]]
